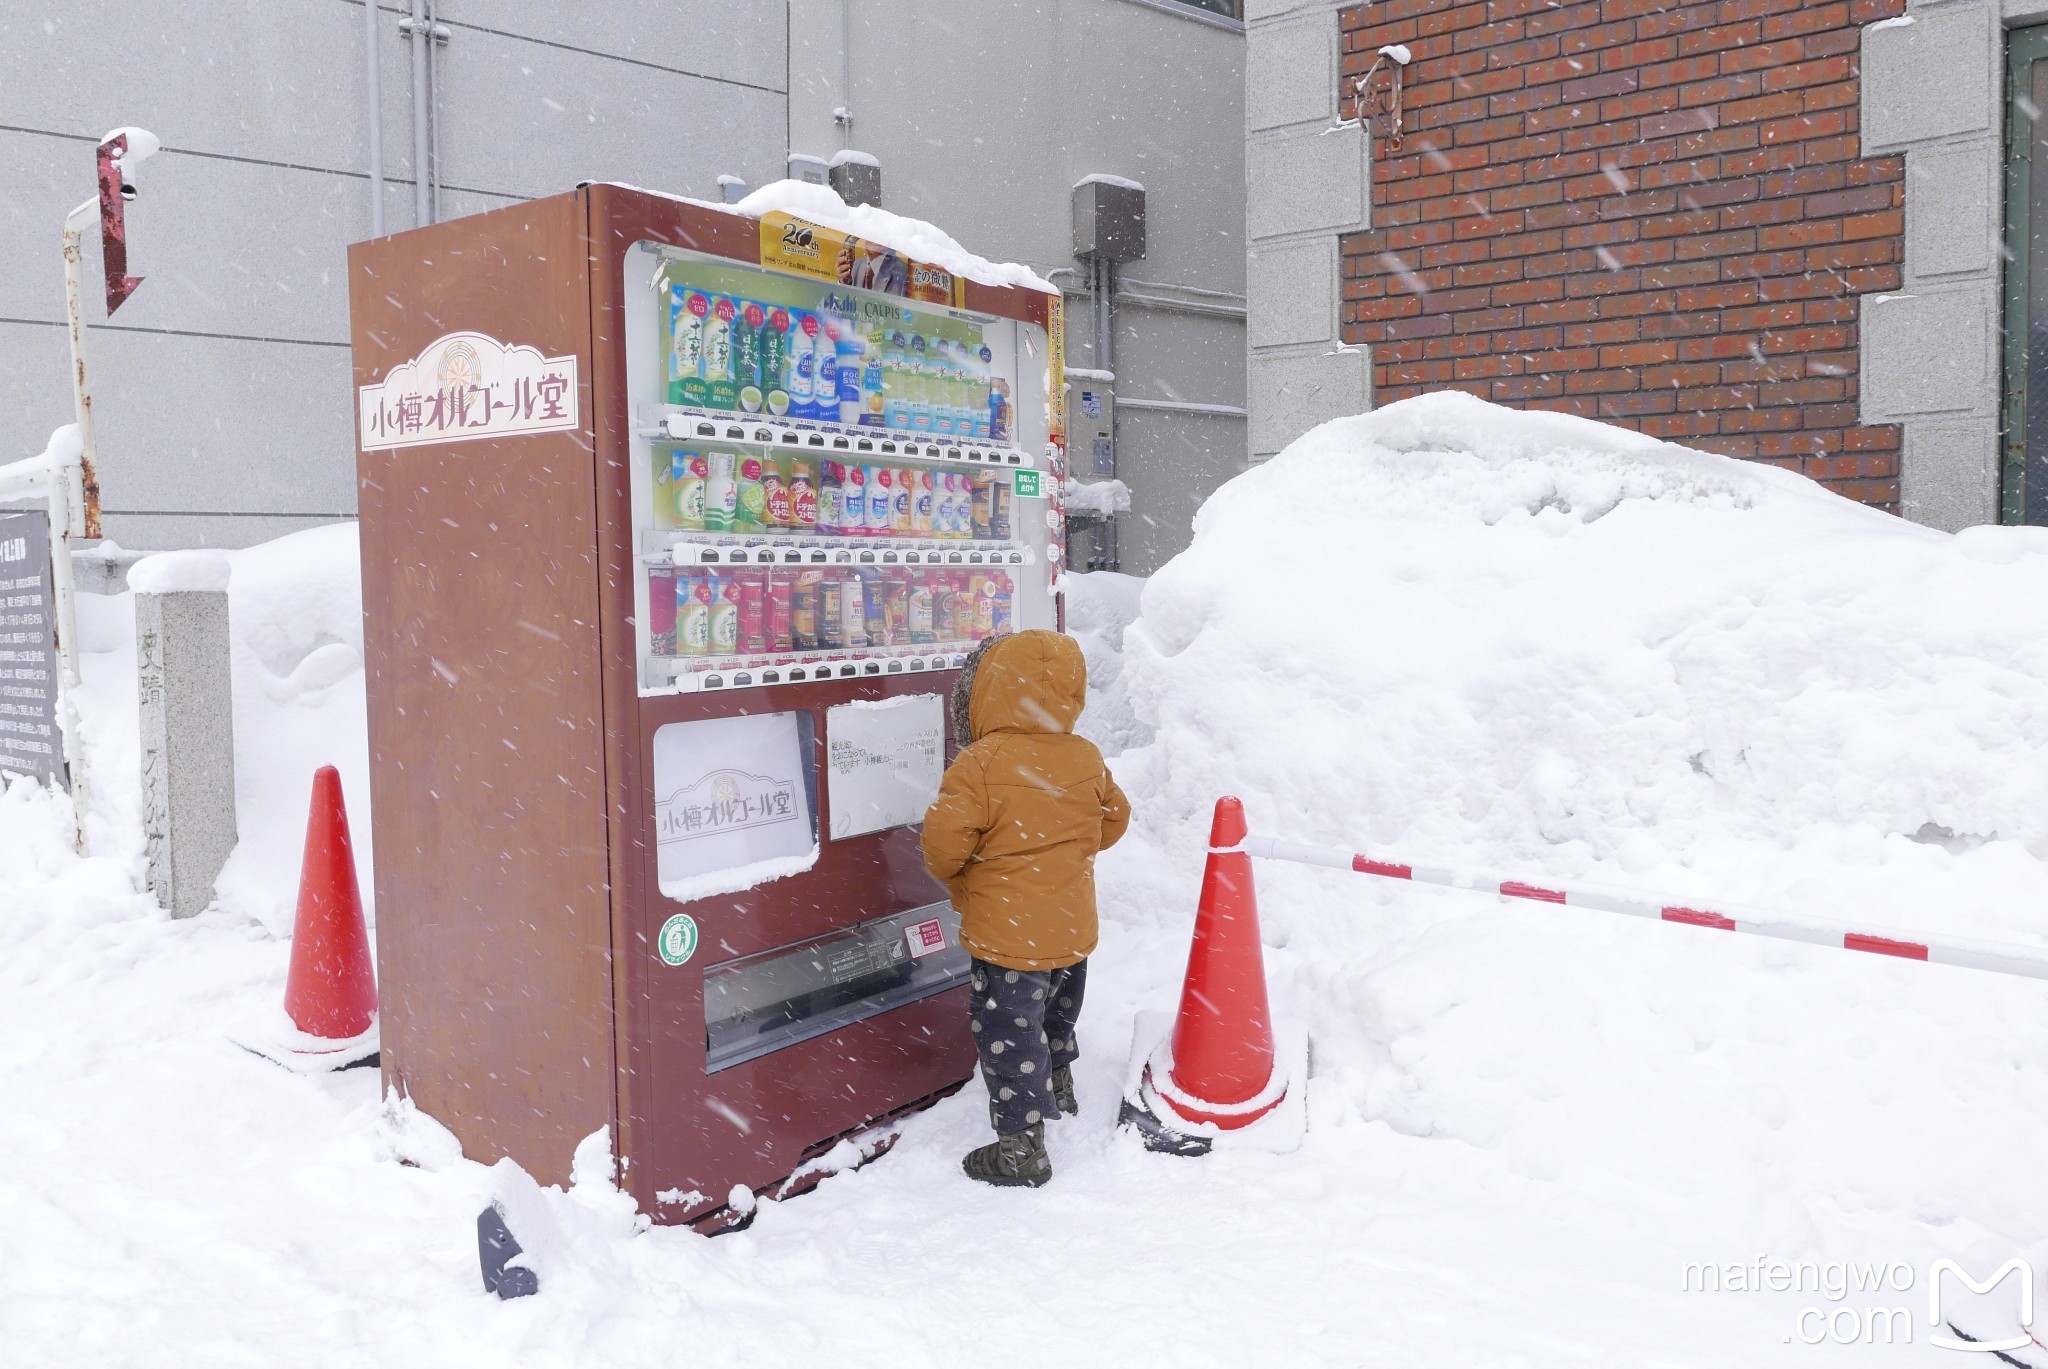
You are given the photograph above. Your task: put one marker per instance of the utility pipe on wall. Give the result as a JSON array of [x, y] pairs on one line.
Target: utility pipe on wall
[[376, 94], [422, 194]]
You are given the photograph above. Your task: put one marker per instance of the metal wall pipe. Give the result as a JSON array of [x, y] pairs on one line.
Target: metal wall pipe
[[375, 86]]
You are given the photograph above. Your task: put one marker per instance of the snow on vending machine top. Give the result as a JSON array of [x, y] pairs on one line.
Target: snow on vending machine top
[[676, 526]]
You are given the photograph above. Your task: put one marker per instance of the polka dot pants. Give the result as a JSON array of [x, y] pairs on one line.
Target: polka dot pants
[[1023, 1026]]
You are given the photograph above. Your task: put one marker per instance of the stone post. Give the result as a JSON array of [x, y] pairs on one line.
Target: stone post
[[188, 736]]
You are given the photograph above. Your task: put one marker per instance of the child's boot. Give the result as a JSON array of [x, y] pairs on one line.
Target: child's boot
[[1063, 1091], [1017, 1160]]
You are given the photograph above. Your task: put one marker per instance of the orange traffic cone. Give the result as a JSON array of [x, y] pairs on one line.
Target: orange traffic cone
[[1216, 1071], [331, 991], [1223, 1034]]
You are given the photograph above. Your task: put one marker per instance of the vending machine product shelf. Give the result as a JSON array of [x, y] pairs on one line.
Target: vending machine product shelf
[[677, 526]]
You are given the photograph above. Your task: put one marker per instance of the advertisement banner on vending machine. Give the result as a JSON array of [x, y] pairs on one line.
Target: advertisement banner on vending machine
[[810, 249]]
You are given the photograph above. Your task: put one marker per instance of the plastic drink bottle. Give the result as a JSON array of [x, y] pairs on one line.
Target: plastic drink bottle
[[978, 395], [904, 487], [871, 379], [775, 362], [941, 360], [725, 615], [752, 496], [803, 366], [853, 364], [896, 381], [853, 501], [803, 497], [693, 613], [686, 483], [920, 385], [720, 391], [1005, 601], [775, 492], [687, 311], [721, 492], [921, 503], [746, 355], [881, 496], [825, 372]]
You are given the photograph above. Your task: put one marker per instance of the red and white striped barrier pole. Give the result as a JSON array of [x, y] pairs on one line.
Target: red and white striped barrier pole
[[1976, 955]]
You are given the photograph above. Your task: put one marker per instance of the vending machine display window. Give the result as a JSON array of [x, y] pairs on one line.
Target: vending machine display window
[[833, 482]]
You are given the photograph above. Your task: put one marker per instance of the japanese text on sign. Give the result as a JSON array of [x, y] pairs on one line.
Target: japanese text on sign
[[467, 386], [30, 742]]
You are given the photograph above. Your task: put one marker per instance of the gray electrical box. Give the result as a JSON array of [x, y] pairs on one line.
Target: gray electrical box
[[857, 177], [1109, 219], [1091, 425], [814, 170]]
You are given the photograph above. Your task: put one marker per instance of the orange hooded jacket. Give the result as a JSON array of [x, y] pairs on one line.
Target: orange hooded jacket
[[1023, 809]]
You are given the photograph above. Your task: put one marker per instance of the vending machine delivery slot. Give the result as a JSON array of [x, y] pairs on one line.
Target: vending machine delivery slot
[[677, 526]]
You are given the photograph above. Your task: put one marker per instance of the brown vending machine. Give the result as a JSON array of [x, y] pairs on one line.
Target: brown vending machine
[[677, 525]]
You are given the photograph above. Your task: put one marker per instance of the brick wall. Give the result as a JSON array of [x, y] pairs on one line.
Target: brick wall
[[1645, 211]]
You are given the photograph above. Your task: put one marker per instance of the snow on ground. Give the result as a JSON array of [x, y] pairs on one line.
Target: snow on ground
[[1459, 633]]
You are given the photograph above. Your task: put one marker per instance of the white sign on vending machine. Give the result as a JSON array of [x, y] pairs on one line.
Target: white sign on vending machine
[[884, 758]]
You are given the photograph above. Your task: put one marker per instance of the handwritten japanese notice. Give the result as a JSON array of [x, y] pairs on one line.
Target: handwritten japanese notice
[[729, 794], [883, 760], [30, 742], [467, 386]]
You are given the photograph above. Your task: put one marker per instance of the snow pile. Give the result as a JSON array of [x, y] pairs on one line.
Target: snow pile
[[1502, 639], [912, 237], [1537, 644], [180, 572]]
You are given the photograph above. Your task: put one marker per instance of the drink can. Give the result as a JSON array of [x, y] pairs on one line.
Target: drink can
[[661, 611], [750, 590], [781, 610], [831, 616], [1005, 597], [803, 610], [896, 606], [918, 607], [984, 592], [853, 611], [875, 606], [984, 507], [853, 500], [963, 606], [999, 521]]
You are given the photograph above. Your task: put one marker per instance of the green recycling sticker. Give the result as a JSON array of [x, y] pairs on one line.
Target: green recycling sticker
[[1027, 485], [678, 939]]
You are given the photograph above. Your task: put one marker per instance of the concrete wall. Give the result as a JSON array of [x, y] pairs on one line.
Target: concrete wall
[[1935, 90], [1306, 178], [984, 124], [222, 388]]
